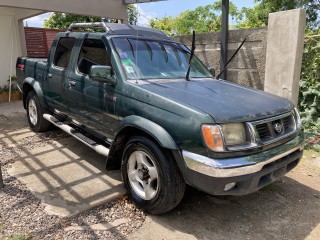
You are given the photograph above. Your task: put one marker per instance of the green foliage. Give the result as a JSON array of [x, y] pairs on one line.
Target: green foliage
[[14, 87], [165, 24], [132, 14], [63, 20], [253, 17], [202, 19], [309, 98], [21, 237], [259, 14]]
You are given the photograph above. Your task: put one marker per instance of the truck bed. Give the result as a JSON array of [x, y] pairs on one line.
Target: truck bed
[[30, 67]]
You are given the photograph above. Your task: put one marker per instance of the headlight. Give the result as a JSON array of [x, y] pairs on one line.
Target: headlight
[[234, 133], [297, 117], [212, 137], [230, 134]]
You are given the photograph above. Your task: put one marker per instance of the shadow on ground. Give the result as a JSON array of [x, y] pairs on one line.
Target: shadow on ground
[[65, 174], [285, 210]]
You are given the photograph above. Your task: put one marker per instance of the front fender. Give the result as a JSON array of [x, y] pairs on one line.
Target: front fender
[[156, 131], [31, 84]]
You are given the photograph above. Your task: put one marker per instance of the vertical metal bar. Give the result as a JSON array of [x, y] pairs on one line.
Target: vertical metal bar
[[1, 178], [224, 37]]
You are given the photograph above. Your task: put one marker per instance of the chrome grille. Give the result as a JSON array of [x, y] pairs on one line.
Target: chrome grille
[[273, 129]]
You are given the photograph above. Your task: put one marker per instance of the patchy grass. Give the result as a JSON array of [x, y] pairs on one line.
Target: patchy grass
[[21, 237], [2, 225]]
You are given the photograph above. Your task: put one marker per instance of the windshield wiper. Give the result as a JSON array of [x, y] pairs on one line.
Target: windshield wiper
[[235, 53], [192, 53]]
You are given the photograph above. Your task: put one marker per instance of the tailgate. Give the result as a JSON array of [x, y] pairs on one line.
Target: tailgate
[[27, 67]]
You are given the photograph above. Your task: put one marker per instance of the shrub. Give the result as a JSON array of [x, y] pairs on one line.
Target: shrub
[[309, 97]]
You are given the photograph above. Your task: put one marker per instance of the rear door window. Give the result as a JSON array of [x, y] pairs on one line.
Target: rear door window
[[63, 52], [93, 52]]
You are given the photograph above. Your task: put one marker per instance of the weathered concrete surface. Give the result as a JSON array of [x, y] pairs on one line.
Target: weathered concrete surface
[[66, 175], [287, 209], [284, 53]]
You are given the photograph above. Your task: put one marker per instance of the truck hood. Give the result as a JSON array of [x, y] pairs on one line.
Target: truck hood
[[224, 101]]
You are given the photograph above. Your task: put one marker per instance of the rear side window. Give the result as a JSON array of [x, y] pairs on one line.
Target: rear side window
[[63, 52], [93, 52]]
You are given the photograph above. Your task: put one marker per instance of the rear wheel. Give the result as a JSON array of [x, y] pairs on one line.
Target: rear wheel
[[35, 113], [151, 176]]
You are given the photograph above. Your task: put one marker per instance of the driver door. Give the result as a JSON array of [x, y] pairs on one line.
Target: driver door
[[98, 110]]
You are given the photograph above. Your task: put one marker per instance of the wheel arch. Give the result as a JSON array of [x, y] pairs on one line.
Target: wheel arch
[[30, 84], [133, 126]]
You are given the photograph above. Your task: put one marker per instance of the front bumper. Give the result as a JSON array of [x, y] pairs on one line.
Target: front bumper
[[241, 175]]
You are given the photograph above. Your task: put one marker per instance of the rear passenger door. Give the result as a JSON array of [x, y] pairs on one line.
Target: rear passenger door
[[57, 75]]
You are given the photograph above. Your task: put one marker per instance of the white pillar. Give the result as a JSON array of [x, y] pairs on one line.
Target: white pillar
[[284, 53]]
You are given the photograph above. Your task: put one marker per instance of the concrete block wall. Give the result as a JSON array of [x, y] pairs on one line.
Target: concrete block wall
[[248, 67]]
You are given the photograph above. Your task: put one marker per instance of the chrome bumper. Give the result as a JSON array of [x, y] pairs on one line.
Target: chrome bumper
[[233, 167]]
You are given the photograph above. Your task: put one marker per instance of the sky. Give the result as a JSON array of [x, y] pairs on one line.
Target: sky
[[156, 9]]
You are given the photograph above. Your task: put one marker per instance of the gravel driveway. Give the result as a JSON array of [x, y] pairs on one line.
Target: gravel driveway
[[287, 209], [22, 215]]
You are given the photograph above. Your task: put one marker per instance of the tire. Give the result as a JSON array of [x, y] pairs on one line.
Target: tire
[[151, 177], [35, 113]]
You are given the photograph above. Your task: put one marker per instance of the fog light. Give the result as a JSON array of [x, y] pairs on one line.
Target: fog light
[[229, 186]]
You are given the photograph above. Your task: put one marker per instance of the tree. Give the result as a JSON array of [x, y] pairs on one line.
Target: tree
[[202, 19], [132, 14], [259, 14], [63, 20], [165, 24]]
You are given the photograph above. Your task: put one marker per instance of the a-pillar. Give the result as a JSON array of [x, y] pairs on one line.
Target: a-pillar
[[284, 53]]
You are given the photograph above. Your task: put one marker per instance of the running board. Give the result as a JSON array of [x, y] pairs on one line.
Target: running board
[[76, 134]]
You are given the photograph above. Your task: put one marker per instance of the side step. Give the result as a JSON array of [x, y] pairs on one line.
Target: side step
[[76, 134]]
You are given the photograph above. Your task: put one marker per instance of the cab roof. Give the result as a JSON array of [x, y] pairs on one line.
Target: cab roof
[[122, 29]]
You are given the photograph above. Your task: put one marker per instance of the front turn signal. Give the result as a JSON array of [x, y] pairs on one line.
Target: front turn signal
[[212, 137]]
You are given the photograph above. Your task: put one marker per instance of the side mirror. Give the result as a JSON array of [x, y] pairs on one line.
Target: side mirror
[[102, 73], [212, 71]]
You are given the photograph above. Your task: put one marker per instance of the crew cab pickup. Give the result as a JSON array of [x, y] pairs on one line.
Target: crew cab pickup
[[124, 93]]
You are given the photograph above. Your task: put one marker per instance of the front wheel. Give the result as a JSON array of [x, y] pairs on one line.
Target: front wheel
[[35, 113], [151, 176]]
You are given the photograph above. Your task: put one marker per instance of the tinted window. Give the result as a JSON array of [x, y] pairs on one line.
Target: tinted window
[[63, 52], [93, 52]]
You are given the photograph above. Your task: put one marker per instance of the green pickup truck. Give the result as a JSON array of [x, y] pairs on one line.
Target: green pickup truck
[[125, 93]]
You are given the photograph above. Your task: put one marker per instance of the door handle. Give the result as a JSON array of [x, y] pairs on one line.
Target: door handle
[[49, 75], [72, 83]]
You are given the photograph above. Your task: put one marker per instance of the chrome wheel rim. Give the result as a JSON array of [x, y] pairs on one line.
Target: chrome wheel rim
[[143, 175], [33, 114]]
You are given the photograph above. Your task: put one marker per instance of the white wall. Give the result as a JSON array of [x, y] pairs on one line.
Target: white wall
[[12, 42], [9, 47]]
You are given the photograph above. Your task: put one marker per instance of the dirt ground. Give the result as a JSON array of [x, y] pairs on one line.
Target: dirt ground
[[287, 209]]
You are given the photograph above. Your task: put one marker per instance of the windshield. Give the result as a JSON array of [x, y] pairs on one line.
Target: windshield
[[150, 59]]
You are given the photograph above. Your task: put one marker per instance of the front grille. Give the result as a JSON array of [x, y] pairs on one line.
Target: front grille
[[275, 128]]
